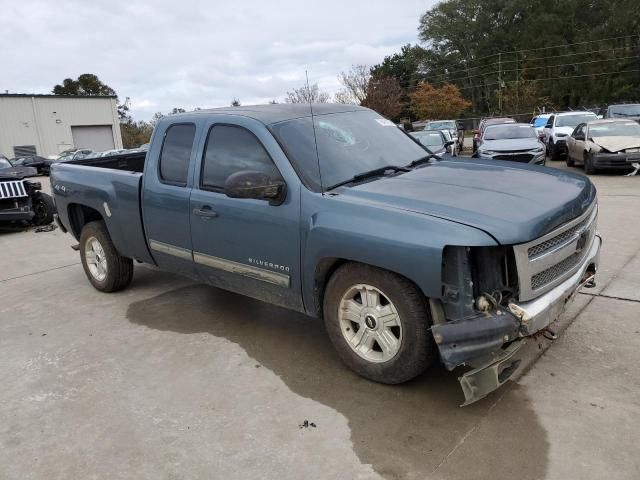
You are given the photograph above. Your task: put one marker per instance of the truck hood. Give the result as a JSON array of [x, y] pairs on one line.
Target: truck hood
[[566, 130], [514, 203], [17, 173], [616, 144]]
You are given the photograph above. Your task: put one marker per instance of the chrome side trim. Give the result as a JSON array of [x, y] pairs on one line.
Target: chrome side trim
[[170, 250], [276, 278]]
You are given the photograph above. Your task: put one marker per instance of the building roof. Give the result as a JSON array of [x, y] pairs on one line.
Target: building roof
[[51, 95], [280, 112]]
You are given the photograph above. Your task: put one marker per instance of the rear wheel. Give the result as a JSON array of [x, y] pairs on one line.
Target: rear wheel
[[379, 323], [105, 268]]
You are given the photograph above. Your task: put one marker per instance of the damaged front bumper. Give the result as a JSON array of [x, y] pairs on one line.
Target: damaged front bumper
[[489, 342]]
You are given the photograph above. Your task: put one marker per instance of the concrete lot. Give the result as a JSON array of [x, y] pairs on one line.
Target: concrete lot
[[174, 380]]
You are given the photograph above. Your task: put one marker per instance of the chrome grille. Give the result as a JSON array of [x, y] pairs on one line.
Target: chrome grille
[[13, 189], [563, 237], [547, 261]]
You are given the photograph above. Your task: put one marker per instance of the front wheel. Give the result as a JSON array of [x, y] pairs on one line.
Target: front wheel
[[589, 168], [43, 208], [105, 268], [379, 323]]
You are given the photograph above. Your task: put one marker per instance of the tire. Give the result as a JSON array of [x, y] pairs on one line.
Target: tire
[[570, 161], [105, 268], [554, 153], [43, 208], [589, 169], [414, 347]]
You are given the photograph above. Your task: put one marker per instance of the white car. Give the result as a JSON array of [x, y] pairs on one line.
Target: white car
[[538, 122], [558, 128]]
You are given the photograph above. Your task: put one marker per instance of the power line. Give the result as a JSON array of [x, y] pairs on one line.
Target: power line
[[565, 45], [488, 74], [608, 50], [553, 78]]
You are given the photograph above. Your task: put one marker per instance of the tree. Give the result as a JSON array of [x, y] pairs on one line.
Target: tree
[[89, 84], [384, 95], [135, 134], [355, 83], [235, 102], [307, 94], [86, 84], [176, 110], [429, 102]]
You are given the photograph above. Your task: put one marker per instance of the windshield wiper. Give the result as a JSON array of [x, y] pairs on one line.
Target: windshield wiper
[[376, 172], [425, 159]]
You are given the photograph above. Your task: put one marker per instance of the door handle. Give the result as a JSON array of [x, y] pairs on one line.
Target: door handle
[[205, 212]]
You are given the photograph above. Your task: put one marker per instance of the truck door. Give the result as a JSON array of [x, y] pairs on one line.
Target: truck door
[[246, 245], [166, 192]]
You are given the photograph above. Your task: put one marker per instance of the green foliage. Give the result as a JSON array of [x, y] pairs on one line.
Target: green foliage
[[86, 84], [511, 55], [135, 134]]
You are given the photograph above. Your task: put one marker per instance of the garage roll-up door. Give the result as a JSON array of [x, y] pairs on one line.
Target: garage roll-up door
[[95, 137]]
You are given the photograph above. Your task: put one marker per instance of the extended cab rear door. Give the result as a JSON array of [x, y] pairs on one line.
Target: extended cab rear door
[[166, 191], [245, 245]]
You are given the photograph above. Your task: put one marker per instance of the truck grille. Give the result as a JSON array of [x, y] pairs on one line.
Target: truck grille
[[549, 260], [13, 189]]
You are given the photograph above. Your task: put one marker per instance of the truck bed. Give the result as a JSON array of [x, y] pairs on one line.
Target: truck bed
[[132, 162], [106, 188]]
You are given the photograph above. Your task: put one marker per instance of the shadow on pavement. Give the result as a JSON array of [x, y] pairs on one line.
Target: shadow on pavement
[[404, 431]]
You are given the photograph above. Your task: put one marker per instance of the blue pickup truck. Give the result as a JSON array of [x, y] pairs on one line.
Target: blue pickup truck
[[335, 212]]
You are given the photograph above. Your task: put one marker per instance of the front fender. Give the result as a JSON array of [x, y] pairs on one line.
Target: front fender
[[407, 243]]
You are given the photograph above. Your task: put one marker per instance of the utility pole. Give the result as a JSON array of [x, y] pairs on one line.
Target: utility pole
[[500, 83]]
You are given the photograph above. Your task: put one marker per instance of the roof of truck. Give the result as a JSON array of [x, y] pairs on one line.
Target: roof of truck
[[274, 113]]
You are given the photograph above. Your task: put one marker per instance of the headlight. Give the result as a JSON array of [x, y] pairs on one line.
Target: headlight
[[486, 152], [538, 150]]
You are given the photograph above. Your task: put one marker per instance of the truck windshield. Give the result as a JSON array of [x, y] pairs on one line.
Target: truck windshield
[[441, 125], [348, 144], [4, 163]]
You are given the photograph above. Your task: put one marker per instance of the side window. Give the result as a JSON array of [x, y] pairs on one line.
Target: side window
[[550, 121], [176, 152], [576, 133], [233, 149]]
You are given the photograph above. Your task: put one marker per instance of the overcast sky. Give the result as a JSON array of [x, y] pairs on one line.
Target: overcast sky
[[183, 53]]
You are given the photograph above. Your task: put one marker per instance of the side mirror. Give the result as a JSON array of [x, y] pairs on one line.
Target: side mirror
[[257, 185], [476, 132], [449, 143], [547, 126]]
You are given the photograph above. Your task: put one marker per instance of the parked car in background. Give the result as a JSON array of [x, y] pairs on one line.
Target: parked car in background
[[517, 142], [484, 123], [630, 111], [611, 144], [34, 161], [7, 169], [21, 200], [434, 140], [559, 127], [453, 146], [67, 156], [109, 153], [455, 130], [538, 122]]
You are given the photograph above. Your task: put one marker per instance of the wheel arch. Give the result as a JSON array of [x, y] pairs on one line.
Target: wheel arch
[[79, 215], [325, 269]]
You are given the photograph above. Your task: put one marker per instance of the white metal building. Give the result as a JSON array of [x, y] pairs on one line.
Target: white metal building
[[46, 125]]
